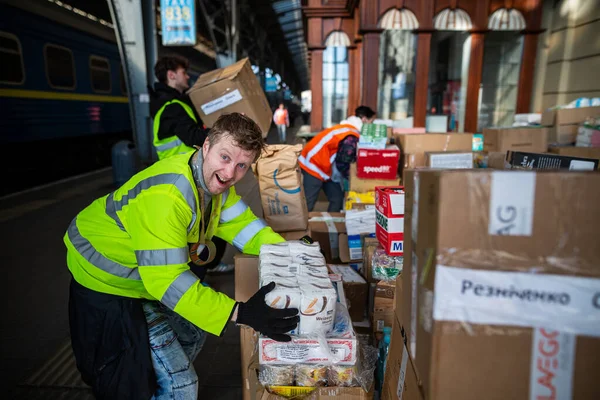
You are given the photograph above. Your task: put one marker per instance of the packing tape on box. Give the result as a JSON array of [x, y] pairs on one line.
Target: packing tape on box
[[333, 236]]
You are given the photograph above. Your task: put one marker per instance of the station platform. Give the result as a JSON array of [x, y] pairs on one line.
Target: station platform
[[37, 359]]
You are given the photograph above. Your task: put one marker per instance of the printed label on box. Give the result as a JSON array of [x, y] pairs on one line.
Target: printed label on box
[[402, 377], [565, 303], [552, 362], [511, 203], [221, 102]]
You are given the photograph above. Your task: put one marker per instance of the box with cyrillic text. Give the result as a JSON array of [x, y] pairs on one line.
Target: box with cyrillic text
[[389, 204], [504, 299]]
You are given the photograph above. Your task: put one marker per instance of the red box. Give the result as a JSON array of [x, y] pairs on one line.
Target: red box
[[378, 163], [389, 204]]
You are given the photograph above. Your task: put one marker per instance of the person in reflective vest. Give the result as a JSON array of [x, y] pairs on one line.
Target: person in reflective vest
[[138, 316], [177, 128], [325, 160]]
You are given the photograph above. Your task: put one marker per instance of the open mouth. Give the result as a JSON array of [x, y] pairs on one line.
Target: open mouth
[[221, 180]]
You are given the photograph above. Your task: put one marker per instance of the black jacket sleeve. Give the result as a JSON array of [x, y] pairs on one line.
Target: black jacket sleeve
[[175, 121]]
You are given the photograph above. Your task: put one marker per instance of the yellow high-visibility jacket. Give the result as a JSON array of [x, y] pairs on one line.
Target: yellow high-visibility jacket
[[134, 241], [172, 145]]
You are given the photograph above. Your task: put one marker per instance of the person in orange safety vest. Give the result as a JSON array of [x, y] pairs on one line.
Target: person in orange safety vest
[[325, 160]]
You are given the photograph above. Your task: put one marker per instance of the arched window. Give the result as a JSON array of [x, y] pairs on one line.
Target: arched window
[[335, 78], [502, 54], [397, 61], [448, 70]]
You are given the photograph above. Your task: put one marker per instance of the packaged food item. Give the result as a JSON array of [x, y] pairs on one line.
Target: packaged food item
[[313, 271], [311, 375], [341, 375], [282, 248], [317, 307], [385, 267], [276, 375]]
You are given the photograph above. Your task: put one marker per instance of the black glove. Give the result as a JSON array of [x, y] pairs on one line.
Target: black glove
[[271, 322]]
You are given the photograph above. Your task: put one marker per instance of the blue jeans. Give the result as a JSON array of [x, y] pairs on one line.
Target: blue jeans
[[281, 131], [174, 344]]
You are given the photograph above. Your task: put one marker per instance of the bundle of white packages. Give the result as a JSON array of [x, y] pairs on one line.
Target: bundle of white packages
[[302, 281]]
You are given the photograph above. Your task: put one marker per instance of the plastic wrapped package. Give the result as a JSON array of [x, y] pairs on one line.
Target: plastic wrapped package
[[276, 375], [385, 267], [282, 248], [342, 375], [311, 375], [313, 271], [317, 307]]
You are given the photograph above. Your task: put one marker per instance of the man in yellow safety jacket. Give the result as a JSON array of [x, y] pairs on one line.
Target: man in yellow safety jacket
[[177, 128], [137, 314]]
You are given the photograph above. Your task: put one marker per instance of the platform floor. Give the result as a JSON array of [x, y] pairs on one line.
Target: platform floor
[[37, 362]]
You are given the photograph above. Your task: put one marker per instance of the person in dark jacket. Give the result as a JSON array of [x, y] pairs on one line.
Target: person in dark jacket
[[177, 129], [177, 126]]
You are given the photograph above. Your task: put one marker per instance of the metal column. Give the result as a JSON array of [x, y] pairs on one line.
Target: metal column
[[128, 20]]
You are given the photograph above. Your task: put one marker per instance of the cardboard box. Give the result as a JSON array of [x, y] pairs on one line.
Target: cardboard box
[[231, 89], [583, 152], [307, 350], [369, 246], [377, 164], [382, 318], [528, 161], [281, 190], [449, 160], [517, 139], [569, 116], [389, 203], [564, 122], [505, 263], [367, 185], [355, 289], [326, 228], [400, 381], [294, 235], [423, 143]]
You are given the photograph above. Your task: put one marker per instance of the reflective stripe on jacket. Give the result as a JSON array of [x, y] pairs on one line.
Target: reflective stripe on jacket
[[134, 241], [172, 145], [318, 155]]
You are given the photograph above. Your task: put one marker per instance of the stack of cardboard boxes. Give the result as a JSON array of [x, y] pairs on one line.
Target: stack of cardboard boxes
[[500, 297]]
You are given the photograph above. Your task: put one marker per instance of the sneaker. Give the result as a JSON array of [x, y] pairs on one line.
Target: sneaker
[[222, 268]]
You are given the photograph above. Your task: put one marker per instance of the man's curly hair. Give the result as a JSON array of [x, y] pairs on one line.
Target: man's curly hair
[[242, 129]]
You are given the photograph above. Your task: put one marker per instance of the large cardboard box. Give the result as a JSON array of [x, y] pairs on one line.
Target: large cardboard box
[[367, 185], [281, 189], [231, 89], [571, 151], [517, 139], [326, 228], [508, 284], [400, 381], [356, 291], [377, 163], [423, 143], [564, 122]]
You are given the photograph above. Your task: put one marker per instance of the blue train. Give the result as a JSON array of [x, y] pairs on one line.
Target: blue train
[[63, 98]]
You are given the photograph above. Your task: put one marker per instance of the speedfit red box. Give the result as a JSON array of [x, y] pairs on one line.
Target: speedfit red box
[[378, 163], [389, 204]]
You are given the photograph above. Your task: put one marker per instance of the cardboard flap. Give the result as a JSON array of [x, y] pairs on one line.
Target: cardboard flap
[[397, 203], [229, 72]]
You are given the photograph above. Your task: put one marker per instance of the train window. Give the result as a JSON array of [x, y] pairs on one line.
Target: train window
[[100, 74], [123, 84], [12, 71], [60, 67]]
